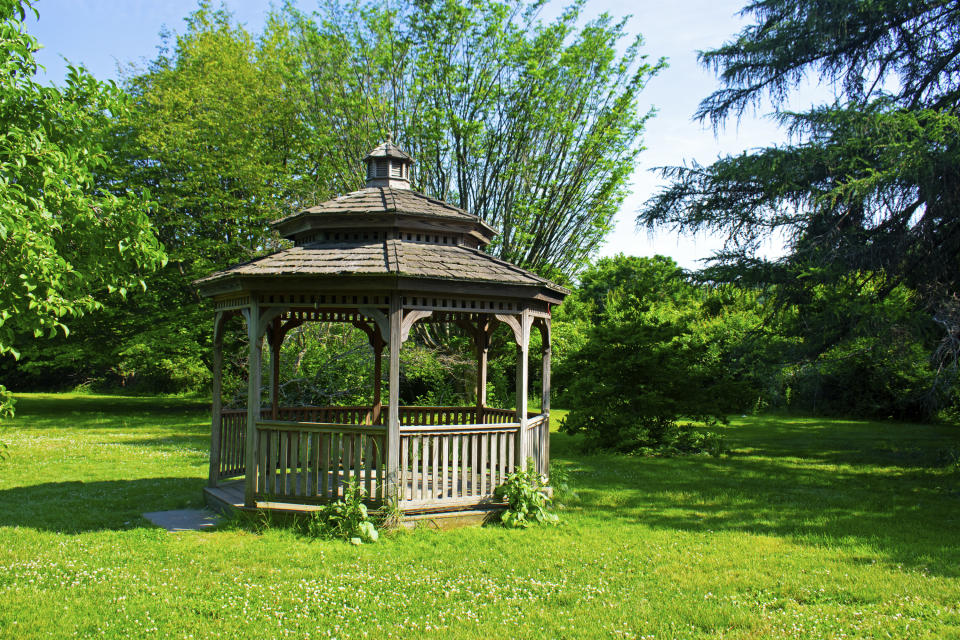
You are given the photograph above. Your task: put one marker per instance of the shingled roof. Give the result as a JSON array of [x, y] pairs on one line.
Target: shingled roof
[[388, 150], [386, 257], [384, 231], [372, 200]]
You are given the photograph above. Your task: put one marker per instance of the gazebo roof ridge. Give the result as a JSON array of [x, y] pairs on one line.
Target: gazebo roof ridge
[[383, 207]]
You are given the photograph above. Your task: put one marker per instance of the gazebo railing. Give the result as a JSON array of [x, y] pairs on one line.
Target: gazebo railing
[[233, 440], [316, 461], [538, 447], [454, 463], [446, 458]]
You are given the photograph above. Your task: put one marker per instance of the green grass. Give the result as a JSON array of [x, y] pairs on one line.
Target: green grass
[[810, 528]]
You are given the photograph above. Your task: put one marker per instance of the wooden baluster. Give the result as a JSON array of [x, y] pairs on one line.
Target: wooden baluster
[[262, 476], [314, 464], [464, 484], [455, 466], [296, 463], [225, 444], [357, 462], [335, 444], [323, 469], [474, 442], [445, 468], [404, 469], [484, 442], [367, 466], [415, 471], [347, 458], [378, 484], [494, 460], [284, 461], [504, 438], [425, 471], [231, 459]]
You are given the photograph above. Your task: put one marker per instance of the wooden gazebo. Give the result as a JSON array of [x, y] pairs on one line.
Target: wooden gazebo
[[381, 259]]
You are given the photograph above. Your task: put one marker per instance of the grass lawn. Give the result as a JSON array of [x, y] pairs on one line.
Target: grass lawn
[[810, 528]]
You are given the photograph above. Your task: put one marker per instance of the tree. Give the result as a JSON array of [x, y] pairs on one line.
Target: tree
[[866, 185], [534, 127], [658, 350], [214, 134], [67, 235]]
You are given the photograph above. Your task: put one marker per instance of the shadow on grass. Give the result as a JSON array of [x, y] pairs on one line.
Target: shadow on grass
[[38, 411], [75, 507], [783, 480], [199, 443]]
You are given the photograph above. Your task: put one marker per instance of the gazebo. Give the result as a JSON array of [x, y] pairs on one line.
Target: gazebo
[[382, 259]]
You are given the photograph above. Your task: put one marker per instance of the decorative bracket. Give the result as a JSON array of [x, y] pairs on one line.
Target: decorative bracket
[[409, 318], [380, 319], [520, 326]]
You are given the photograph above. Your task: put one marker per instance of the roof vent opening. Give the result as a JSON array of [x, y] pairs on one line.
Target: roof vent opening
[[388, 166]]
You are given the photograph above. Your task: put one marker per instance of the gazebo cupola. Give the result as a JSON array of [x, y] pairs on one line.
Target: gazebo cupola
[[388, 166], [382, 259]]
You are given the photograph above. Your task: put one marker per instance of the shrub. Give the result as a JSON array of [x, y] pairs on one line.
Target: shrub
[[346, 519], [526, 501], [655, 352]]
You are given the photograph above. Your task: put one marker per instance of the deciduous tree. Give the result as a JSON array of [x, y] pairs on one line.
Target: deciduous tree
[[67, 235]]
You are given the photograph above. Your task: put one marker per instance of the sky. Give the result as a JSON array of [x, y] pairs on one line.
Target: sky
[[105, 34]]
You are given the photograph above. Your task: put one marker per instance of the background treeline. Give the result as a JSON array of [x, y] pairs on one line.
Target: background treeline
[[536, 126], [533, 124]]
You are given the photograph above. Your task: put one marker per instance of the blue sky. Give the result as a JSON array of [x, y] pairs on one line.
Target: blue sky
[[102, 35]]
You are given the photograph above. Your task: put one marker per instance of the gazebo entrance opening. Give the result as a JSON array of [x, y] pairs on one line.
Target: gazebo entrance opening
[[381, 259]]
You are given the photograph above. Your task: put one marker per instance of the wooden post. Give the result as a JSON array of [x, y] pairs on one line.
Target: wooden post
[[546, 336], [217, 405], [377, 376], [393, 423], [276, 341], [523, 374], [255, 336], [482, 338]]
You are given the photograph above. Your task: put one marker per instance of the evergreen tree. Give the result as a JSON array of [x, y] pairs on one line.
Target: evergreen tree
[[866, 185]]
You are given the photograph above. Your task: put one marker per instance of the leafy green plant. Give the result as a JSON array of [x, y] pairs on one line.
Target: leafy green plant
[[562, 487], [345, 519], [526, 500], [389, 515]]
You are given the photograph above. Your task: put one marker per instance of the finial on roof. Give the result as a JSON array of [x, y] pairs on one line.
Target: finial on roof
[[388, 166]]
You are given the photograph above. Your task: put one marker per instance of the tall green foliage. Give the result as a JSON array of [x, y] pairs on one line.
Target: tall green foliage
[[212, 134], [533, 126], [68, 234], [858, 350], [867, 184], [658, 350]]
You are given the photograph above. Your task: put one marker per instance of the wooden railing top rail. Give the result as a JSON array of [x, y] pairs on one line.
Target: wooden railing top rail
[[536, 420], [493, 411], [456, 428], [319, 427]]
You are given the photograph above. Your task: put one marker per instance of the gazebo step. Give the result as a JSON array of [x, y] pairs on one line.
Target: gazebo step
[[227, 498]]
